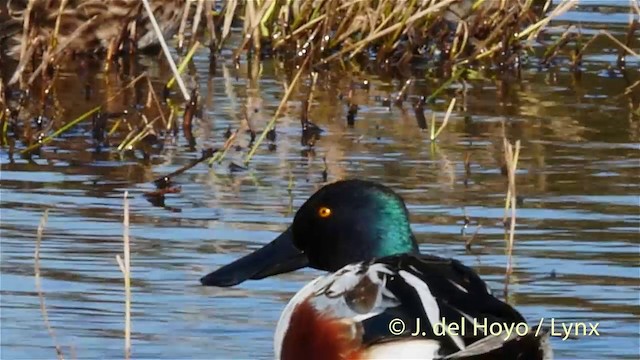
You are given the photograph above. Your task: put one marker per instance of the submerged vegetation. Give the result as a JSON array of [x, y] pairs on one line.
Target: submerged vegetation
[[453, 40]]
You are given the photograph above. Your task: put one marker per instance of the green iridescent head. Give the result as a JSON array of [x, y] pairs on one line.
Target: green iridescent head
[[351, 221], [345, 222]]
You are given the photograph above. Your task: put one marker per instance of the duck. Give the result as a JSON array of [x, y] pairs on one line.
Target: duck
[[381, 298], [86, 26]]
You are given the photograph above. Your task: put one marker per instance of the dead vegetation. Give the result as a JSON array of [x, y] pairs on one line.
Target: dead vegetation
[[447, 34], [454, 39]]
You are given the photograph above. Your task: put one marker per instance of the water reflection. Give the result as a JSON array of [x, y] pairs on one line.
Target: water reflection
[[578, 220]]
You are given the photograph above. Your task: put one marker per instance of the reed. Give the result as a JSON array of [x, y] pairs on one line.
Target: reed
[[43, 305], [165, 49], [125, 268], [281, 107], [136, 135], [184, 63], [434, 133], [218, 156], [4, 114], [397, 32], [77, 120], [61, 130], [455, 37], [511, 160]]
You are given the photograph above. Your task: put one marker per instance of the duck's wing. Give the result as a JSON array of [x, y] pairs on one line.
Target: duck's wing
[[383, 300]]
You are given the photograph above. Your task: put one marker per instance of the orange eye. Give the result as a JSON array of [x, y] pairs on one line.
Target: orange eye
[[324, 212]]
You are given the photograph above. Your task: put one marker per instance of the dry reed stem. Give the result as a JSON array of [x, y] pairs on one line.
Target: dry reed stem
[[611, 37], [300, 30], [389, 30], [54, 36], [533, 30], [3, 108], [196, 19], [635, 4], [511, 159], [208, 10], [131, 139], [628, 90], [184, 63], [125, 268], [183, 24], [281, 107], [43, 306], [165, 49], [403, 91], [228, 18], [59, 48], [625, 47], [251, 24], [25, 31], [225, 148], [82, 117], [435, 135], [154, 98], [472, 238], [456, 48], [22, 64]]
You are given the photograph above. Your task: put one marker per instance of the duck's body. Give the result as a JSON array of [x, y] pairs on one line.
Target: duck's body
[[383, 298], [403, 307], [86, 25]]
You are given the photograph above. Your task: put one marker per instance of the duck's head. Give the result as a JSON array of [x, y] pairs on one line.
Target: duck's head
[[345, 222]]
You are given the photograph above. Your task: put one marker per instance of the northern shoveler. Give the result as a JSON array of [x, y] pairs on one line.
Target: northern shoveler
[[384, 299], [86, 25]]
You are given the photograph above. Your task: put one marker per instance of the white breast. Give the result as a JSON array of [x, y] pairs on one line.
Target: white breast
[[409, 349], [283, 322]]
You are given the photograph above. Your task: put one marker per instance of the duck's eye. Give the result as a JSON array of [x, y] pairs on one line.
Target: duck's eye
[[324, 212]]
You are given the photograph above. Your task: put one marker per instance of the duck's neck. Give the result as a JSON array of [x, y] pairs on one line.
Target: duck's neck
[[394, 230]]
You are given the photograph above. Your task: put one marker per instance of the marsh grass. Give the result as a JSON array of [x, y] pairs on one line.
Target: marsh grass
[[511, 156], [43, 305], [166, 51], [125, 268], [394, 33], [454, 38], [435, 133], [68, 125], [281, 107], [124, 265]]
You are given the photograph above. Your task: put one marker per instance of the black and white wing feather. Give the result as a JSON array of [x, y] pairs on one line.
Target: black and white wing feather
[[407, 287]]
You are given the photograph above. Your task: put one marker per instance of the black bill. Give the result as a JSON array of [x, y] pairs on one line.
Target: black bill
[[277, 257]]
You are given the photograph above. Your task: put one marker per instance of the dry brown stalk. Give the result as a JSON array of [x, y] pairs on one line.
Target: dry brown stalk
[[166, 51], [183, 25], [511, 160], [434, 133], [43, 306], [196, 20], [281, 107], [52, 55], [390, 29], [125, 268]]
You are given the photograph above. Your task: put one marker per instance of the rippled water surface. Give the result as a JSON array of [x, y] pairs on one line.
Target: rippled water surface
[[576, 257]]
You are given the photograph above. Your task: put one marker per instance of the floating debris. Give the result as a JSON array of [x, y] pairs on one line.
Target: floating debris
[[418, 109], [233, 167]]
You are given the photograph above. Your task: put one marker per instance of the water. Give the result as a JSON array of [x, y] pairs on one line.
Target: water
[[576, 257]]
